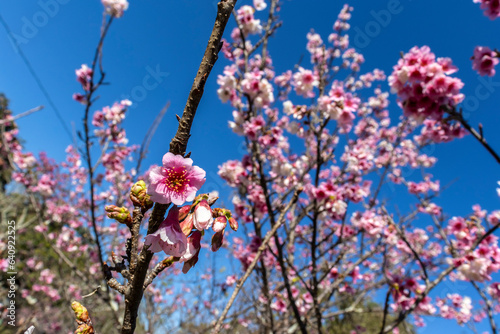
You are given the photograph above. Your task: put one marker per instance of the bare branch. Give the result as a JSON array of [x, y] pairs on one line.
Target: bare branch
[[21, 115]]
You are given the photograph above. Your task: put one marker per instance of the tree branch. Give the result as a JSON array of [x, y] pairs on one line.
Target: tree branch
[[135, 288], [252, 265]]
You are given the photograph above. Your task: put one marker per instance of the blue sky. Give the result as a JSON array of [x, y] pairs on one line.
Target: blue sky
[[169, 38]]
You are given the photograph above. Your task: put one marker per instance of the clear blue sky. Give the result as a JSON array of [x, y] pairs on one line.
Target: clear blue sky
[[170, 36]]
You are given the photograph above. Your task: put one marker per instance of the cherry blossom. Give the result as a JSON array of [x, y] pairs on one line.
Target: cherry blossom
[[177, 181], [83, 76], [491, 8], [484, 60], [169, 237]]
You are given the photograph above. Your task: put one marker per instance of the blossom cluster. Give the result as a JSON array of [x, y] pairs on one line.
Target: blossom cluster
[[179, 235], [484, 60], [424, 86]]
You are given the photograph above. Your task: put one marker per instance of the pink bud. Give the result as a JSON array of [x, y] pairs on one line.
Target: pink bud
[[202, 216], [79, 98], [233, 223], [187, 225], [189, 264], [217, 241], [184, 211], [219, 224]]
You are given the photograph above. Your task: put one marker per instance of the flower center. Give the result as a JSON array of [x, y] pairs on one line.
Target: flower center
[[176, 179]]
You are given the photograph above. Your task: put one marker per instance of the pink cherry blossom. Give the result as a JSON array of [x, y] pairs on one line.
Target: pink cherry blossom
[[484, 60], [304, 82], [424, 85], [230, 280], [176, 182], [169, 236], [491, 8], [249, 24]]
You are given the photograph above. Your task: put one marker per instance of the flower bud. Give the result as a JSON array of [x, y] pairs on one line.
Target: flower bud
[[202, 216], [183, 212], [233, 223], [139, 196], [81, 312], [187, 225], [211, 198], [217, 241], [219, 224], [85, 329], [189, 264], [121, 215]]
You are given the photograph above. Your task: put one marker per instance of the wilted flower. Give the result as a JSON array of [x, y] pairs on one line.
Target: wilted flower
[[193, 246], [169, 236]]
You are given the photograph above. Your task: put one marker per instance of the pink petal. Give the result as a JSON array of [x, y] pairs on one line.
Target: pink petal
[[172, 160], [155, 175], [178, 198], [197, 177], [152, 241]]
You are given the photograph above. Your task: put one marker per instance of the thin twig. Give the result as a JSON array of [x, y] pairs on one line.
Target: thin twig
[[457, 115], [88, 143], [92, 293], [21, 115], [405, 240], [489, 307], [158, 269], [252, 265]]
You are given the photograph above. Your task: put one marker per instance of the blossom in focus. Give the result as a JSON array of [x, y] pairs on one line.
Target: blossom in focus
[[169, 237], [484, 61], [115, 8], [202, 217], [177, 181]]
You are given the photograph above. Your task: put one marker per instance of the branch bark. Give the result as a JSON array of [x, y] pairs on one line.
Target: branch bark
[[135, 288]]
